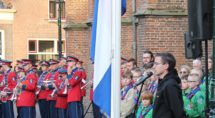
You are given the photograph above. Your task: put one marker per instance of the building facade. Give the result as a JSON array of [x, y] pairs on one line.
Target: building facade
[[31, 29]]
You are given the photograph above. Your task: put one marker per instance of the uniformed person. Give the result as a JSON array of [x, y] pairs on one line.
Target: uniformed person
[[83, 85], [197, 100], [10, 83], [51, 87], [1, 86], [26, 100], [61, 102], [127, 95], [74, 89], [42, 93], [146, 107]]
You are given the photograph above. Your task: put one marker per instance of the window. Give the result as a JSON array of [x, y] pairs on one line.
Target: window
[[2, 53], [32, 46], [53, 9], [46, 46], [44, 49]]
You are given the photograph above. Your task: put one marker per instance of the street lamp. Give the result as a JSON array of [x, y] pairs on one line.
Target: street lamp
[[59, 28]]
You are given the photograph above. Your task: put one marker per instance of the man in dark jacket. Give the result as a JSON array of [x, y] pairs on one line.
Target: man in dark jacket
[[168, 102]]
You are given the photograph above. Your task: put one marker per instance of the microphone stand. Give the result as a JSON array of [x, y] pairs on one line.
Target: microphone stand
[[136, 105]]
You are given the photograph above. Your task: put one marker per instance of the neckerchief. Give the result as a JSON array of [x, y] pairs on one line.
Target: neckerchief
[[152, 87], [148, 108], [136, 97], [125, 90], [193, 92]]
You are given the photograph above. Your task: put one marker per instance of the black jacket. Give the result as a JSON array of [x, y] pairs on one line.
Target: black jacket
[[168, 102]]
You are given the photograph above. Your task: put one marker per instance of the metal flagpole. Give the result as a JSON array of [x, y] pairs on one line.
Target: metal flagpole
[[59, 29], [116, 43]]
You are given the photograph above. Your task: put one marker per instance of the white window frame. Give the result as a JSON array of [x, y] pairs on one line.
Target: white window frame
[[55, 52], [3, 44], [55, 20]]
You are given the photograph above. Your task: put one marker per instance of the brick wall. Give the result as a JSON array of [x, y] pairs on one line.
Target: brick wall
[[162, 34], [161, 28], [76, 10]]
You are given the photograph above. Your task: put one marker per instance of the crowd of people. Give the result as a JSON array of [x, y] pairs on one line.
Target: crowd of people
[[60, 85], [168, 93], [57, 85]]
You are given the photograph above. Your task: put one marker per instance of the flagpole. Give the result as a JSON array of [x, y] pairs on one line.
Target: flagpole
[[116, 43]]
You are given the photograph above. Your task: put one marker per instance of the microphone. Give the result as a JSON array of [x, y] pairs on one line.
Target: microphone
[[143, 79]]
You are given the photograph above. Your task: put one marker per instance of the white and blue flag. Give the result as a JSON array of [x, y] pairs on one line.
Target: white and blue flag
[[100, 53]]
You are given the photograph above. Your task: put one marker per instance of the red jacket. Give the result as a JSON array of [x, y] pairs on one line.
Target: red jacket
[[27, 96], [43, 94], [61, 101], [52, 76], [1, 80], [83, 82], [74, 89], [11, 83]]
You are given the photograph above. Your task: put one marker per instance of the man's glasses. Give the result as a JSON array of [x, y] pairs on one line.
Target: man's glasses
[[156, 63], [194, 74]]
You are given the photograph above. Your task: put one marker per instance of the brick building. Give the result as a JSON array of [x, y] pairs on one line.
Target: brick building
[[6, 29], [33, 31], [156, 25]]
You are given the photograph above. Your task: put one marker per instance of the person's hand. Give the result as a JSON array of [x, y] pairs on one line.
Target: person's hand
[[20, 85], [3, 94]]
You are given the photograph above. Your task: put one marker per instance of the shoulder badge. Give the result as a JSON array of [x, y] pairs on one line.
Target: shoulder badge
[[76, 77], [31, 81]]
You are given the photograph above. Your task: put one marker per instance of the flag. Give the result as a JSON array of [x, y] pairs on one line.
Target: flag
[[94, 27], [101, 38], [123, 10], [100, 53]]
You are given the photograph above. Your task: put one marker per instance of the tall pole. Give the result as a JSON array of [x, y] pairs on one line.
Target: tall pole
[[213, 71], [59, 30], [116, 43]]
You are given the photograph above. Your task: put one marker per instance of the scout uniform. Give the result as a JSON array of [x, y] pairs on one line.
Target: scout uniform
[[26, 100], [197, 103], [144, 112], [127, 100], [203, 84], [185, 99]]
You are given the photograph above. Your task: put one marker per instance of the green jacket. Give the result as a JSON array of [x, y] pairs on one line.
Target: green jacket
[[195, 107], [185, 100], [142, 110], [203, 85]]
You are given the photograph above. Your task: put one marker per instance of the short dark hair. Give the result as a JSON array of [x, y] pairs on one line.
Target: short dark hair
[[167, 58], [149, 52], [134, 62]]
